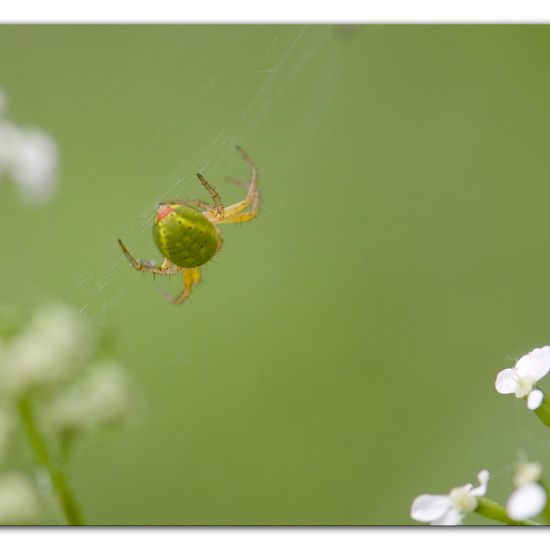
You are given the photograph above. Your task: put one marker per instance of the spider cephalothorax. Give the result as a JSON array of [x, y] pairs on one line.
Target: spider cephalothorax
[[186, 232]]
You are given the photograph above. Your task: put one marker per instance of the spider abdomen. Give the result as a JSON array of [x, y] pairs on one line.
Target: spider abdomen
[[184, 235]]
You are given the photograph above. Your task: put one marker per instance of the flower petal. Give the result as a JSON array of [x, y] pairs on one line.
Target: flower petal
[[534, 400], [452, 517], [535, 364], [527, 501], [481, 489], [430, 507], [506, 381]]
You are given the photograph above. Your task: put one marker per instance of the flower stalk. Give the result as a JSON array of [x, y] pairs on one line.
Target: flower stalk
[[492, 510], [546, 510], [43, 457], [543, 412]]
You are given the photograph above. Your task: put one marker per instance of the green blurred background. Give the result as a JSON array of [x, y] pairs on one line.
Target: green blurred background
[[339, 357]]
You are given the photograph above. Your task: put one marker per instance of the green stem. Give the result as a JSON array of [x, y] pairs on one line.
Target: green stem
[[546, 511], [43, 458], [492, 510], [543, 412]]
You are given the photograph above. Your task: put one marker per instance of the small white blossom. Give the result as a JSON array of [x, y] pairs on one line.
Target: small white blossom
[[450, 509], [35, 166], [18, 499], [529, 498], [99, 397], [527, 472], [29, 157], [56, 342], [521, 379]]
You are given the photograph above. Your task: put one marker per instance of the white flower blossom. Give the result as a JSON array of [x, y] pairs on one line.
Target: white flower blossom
[[529, 498], [18, 499], [29, 157], [99, 397], [56, 342], [521, 379], [450, 509]]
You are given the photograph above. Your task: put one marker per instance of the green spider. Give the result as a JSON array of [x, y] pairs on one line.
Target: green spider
[[186, 232]]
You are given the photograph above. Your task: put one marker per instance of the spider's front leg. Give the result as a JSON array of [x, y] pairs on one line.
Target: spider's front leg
[[167, 268], [218, 210]]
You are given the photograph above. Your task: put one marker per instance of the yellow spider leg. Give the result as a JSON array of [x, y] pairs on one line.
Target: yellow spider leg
[[252, 194], [215, 197], [241, 217], [191, 202], [166, 268], [191, 276], [253, 169], [241, 205]]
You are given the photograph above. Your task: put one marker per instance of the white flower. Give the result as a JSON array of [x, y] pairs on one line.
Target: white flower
[[101, 396], [29, 157], [450, 509], [56, 342], [35, 166], [18, 499], [522, 378], [529, 498]]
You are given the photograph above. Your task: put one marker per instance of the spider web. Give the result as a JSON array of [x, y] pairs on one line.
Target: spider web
[[271, 74]]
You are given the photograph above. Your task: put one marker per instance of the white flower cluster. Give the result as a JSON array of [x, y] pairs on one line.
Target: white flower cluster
[[54, 344], [98, 398], [529, 497], [28, 157], [452, 508], [53, 357], [51, 360], [521, 379]]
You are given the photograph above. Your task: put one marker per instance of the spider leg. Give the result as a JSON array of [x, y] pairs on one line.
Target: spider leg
[[167, 268], [252, 196], [191, 202], [219, 210], [191, 276], [255, 177], [241, 217]]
